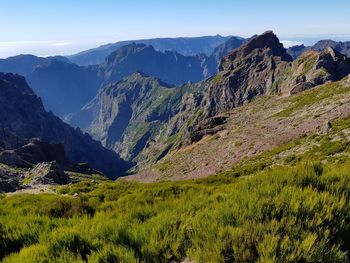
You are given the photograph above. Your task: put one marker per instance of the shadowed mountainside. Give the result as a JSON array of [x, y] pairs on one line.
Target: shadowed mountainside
[[24, 116]]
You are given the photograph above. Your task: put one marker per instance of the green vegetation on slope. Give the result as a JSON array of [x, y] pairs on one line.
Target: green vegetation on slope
[[298, 211], [312, 96]]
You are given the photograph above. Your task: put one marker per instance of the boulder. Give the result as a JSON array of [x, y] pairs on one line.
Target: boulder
[[48, 173]]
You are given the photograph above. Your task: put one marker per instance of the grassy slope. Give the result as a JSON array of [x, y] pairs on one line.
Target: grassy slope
[[287, 204], [262, 125]]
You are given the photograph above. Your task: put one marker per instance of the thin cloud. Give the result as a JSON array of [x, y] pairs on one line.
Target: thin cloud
[[60, 44], [24, 42], [290, 43]]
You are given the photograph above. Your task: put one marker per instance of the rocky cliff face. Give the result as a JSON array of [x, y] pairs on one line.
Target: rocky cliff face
[[247, 72], [314, 68], [23, 116], [226, 47]]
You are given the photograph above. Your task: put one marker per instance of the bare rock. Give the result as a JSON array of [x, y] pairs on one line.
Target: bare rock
[[209, 126], [48, 173]]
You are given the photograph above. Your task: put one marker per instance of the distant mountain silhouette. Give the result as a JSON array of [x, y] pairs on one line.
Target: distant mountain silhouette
[[66, 87], [63, 86], [342, 47], [170, 66], [187, 46]]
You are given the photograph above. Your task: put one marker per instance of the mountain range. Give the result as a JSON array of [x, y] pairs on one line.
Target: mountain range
[[187, 46], [151, 104], [248, 162], [60, 83], [342, 47], [143, 119]]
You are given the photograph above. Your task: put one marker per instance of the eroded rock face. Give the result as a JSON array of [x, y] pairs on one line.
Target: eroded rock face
[[37, 151], [314, 68], [247, 72], [10, 158], [207, 127], [50, 173]]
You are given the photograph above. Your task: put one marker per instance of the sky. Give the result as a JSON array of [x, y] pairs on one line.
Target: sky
[[59, 27]]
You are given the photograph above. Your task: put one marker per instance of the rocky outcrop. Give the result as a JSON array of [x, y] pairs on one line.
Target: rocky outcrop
[[209, 126], [315, 68], [249, 71], [36, 151], [49, 173], [226, 47], [23, 114]]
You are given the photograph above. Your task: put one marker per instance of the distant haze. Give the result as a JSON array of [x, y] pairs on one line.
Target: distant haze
[[60, 27]]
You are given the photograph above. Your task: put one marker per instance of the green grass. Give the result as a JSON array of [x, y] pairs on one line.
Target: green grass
[[258, 212], [292, 209], [281, 214], [312, 96]]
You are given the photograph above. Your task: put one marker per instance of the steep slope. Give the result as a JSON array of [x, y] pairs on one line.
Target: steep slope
[[64, 87], [23, 115], [272, 130], [247, 72], [226, 47], [129, 115], [142, 119], [185, 46], [170, 66]]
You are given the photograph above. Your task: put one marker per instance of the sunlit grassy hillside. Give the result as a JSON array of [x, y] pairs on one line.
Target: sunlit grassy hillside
[[268, 209]]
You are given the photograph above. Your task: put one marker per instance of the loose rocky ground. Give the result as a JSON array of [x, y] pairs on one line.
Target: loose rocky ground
[[264, 124]]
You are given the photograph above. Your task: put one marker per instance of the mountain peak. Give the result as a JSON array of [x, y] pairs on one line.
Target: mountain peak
[[266, 42]]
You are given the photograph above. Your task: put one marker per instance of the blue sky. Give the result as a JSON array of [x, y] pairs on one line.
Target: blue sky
[[47, 27]]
